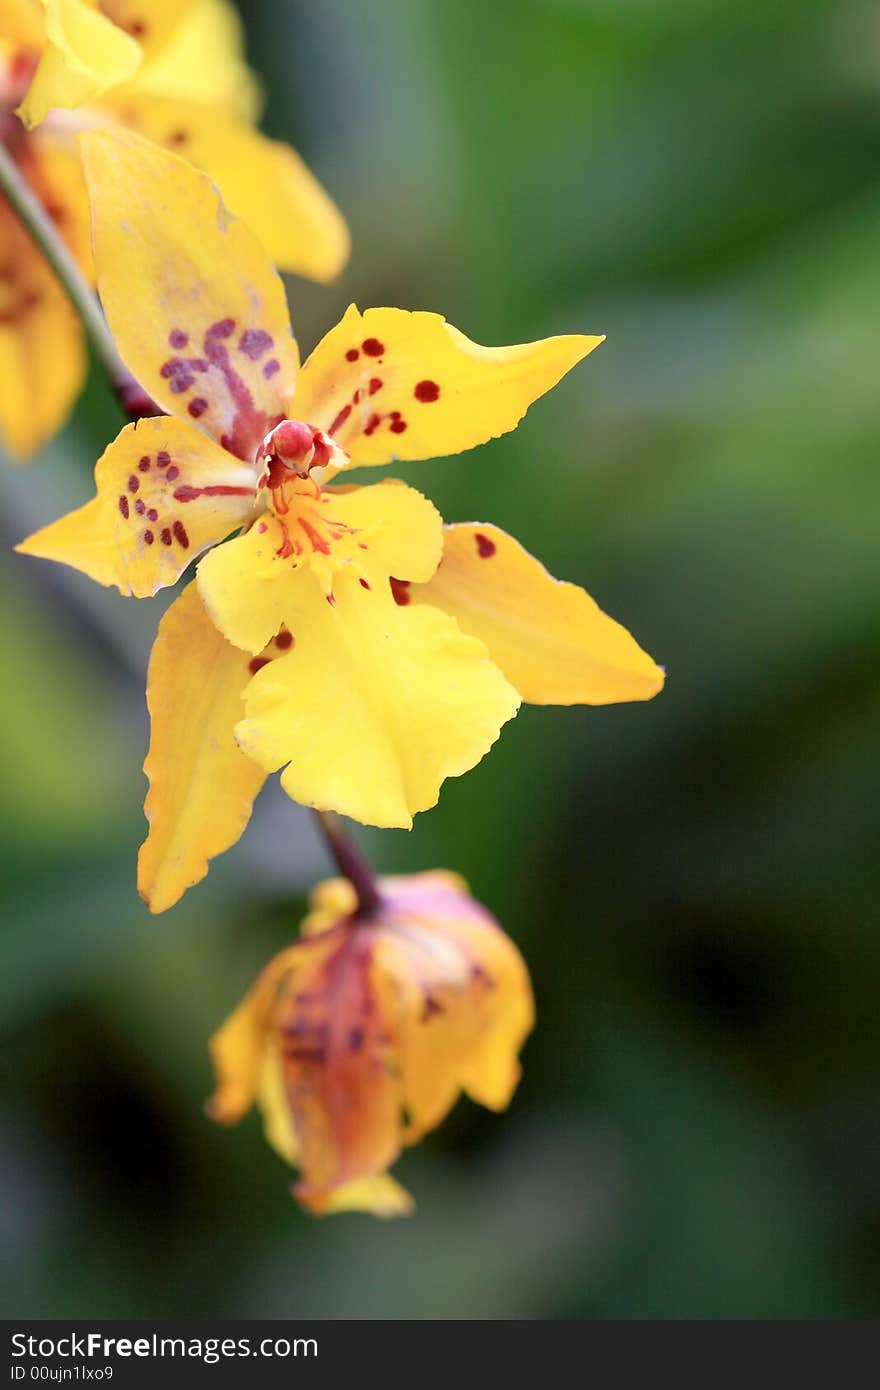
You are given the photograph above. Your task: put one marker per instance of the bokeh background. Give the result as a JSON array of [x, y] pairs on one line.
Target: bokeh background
[[695, 882]]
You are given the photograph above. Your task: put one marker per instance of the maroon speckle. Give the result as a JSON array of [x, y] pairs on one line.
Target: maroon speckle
[[163, 459], [372, 425], [257, 663], [133, 483], [431, 1007], [152, 514], [144, 466], [165, 537], [283, 641], [355, 1039], [485, 547], [180, 534], [197, 407], [352, 355], [400, 590], [137, 28], [187, 493], [271, 367], [139, 507], [224, 328], [262, 528], [375, 384], [372, 347], [179, 384], [364, 583], [398, 426], [123, 506], [340, 419], [178, 339], [173, 472], [426, 391], [149, 537], [176, 139], [331, 600], [254, 342]]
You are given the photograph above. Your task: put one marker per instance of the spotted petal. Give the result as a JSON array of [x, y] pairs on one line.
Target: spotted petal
[[389, 384], [196, 308], [164, 493], [551, 640]]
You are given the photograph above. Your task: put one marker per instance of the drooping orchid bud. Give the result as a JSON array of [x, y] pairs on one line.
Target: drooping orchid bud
[[358, 1039]]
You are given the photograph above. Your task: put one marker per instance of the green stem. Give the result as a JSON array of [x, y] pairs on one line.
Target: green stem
[[42, 230], [351, 863]]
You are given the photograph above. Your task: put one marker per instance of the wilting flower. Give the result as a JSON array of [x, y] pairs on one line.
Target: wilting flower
[[343, 635], [175, 73], [359, 1039]]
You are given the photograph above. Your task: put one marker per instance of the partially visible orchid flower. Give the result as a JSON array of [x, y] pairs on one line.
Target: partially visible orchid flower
[[344, 635], [175, 73], [357, 1040]]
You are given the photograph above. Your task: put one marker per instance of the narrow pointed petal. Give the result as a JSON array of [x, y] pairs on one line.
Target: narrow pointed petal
[[389, 384], [197, 310], [375, 706], [42, 354], [164, 493], [202, 786], [261, 180], [86, 54], [551, 640]]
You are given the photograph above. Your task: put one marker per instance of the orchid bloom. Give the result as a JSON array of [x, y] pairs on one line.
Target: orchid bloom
[[359, 1039], [344, 635], [175, 73]]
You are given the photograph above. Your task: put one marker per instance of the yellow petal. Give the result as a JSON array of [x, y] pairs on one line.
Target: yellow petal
[[551, 640], [380, 1195], [274, 1105], [251, 587], [238, 1048], [153, 23], [204, 57], [261, 180], [86, 54], [463, 998], [423, 389], [197, 310], [164, 493], [202, 786], [375, 705], [42, 355], [53, 168]]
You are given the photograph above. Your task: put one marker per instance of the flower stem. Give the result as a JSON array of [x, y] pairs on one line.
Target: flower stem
[[351, 863], [42, 230]]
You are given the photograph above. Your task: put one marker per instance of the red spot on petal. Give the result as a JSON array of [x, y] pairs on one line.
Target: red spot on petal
[[372, 347], [340, 419], [271, 367], [257, 663], [139, 507], [133, 483], [186, 493], [364, 583], [152, 514], [149, 537], [375, 384], [485, 546], [173, 472], [178, 339], [180, 534], [165, 537], [254, 342], [177, 138], [262, 528], [197, 407], [123, 506], [137, 28], [426, 391], [144, 463], [223, 328], [400, 590], [398, 426], [372, 425], [283, 641], [163, 459], [352, 355]]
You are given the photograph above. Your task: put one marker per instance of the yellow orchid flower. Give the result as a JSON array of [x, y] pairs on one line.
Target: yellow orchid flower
[[172, 70], [343, 635], [358, 1040]]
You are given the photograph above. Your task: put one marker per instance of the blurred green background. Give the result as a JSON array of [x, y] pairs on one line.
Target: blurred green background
[[695, 882]]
